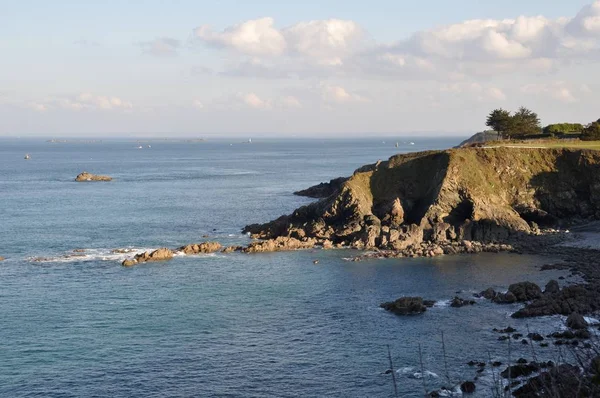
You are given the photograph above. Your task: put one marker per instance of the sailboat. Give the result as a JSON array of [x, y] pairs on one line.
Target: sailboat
[[27, 157], [397, 145]]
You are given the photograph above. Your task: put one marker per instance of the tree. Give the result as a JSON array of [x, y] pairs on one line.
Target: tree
[[525, 122], [591, 132], [500, 121]]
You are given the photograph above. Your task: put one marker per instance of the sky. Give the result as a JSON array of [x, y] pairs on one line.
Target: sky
[[183, 68]]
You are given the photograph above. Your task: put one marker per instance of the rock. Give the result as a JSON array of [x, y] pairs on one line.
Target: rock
[[163, 254], [280, 244], [468, 387], [505, 298], [535, 337], [566, 381], [406, 306], [85, 176], [429, 303], [201, 248], [525, 291], [520, 370], [458, 302], [323, 189], [489, 293], [552, 287], [231, 249], [129, 263], [576, 321]]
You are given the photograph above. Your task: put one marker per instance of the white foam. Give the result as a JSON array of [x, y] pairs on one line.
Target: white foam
[[442, 304], [87, 255], [413, 373]]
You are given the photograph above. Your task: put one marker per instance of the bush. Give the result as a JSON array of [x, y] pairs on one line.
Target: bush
[[563, 128]]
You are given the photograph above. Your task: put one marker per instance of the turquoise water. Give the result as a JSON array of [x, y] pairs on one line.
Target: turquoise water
[[268, 325]]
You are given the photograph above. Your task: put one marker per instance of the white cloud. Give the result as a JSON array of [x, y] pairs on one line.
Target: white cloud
[[291, 102], [161, 47], [325, 42], [254, 101], [255, 37], [560, 91], [340, 95], [587, 21]]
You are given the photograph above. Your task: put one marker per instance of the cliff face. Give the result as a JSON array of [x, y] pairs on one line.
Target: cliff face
[[471, 194]]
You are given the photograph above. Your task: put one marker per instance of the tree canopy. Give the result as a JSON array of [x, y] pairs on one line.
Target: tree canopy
[[522, 123], [591, 132]]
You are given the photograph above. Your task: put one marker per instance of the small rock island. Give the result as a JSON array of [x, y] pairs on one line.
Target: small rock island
[[85, 177]]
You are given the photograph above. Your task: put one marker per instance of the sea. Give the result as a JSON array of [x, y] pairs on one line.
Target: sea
[[75, 323]]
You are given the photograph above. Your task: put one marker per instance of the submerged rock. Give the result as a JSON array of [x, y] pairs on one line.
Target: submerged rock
[[406, 306], [85, 176]]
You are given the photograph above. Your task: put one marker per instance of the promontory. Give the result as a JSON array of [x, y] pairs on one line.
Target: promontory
[[450, 201]]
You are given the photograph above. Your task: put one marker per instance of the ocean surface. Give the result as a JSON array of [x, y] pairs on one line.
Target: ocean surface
[[78, 324]]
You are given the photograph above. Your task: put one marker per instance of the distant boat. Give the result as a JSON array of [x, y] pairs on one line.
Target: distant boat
[[140, 147], [411, 143], [27, 157], [249, 140], [397, 145], [149, 146]]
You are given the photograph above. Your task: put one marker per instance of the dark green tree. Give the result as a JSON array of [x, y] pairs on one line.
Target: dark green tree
[[591, 132], [525, 122], [500, 121]]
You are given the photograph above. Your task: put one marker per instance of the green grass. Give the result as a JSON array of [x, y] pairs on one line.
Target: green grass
[[550, 144]]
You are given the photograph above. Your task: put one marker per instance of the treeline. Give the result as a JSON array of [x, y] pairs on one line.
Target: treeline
[[525, 124]]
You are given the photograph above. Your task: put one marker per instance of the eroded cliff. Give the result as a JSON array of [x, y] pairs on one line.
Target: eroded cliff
[[467, 194]]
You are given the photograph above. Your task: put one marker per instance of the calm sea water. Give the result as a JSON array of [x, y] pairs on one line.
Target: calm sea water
[[269, 325]]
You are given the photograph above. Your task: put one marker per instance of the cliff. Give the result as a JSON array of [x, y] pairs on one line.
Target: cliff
[[456, 195]]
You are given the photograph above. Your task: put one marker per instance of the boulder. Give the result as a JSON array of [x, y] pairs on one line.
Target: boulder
[[201, 248], [525, 291], [468, 387], [231, 249], [576, 321], [85, 176], [129, 263], [489, 293], [458, 302], [552, 287], [163, 254], [505, 298], [406, 306]]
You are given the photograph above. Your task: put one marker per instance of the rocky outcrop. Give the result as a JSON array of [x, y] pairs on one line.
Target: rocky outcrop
[[480, 138], [582, 299], [323, 189], [279, 244], [458, 302], [163, 254], [85, 176], [201, 248], [525, 291], [486, 195], [407, 306]]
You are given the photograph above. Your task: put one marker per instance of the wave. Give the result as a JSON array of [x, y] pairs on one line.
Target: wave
[[114, 255], [414, 373]]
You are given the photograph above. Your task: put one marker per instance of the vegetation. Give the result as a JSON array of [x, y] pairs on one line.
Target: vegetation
[[521, 124], [591, 132], [563, 128]]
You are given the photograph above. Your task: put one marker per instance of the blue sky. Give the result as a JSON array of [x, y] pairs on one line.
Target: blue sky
[[189, 68]]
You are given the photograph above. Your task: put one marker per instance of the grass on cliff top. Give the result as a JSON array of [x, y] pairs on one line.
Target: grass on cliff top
[[575, 144]]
